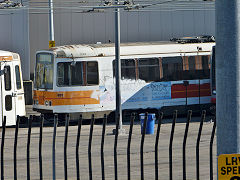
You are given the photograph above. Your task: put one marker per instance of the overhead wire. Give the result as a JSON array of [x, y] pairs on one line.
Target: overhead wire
[[159, 5], [152, 2]]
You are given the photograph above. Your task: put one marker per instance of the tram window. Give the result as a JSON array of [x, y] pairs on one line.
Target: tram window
[[202, 69], [172, 68], [190, 73], [69, 74], [191, 62], [198, 68], [149, 69], [205, 66], [92, 73], [8, 102], [7, 78], [18, 79], [128, 69]]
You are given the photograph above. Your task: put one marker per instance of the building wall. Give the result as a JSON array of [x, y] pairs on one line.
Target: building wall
[[14, 36], [26, 31]]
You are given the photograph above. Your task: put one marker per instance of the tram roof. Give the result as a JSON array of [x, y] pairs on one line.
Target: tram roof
[[5, 53], [136, 48], [8, 56]]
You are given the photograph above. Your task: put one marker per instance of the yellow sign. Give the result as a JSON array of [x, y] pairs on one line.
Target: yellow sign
[[229, 167], [51, 44]]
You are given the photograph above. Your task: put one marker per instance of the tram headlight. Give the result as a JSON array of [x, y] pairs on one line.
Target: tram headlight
[[46, 103]]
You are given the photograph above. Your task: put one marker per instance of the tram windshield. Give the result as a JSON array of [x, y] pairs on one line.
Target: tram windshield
[[44, 71]]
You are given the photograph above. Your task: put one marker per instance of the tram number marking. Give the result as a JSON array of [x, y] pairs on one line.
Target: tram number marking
[[229, 167], [60, 95]]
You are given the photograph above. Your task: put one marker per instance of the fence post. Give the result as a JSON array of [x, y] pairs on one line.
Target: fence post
[[156, 144], [90, 147], [2, 147], [198, 142], [65, 146], [184, 143], [15, 147], [211, 149], [115, 147], [170, 144], [28, 146], [40, 146], [77, 146], [54, 147], [142, 144], [102, 145], [129, 145]]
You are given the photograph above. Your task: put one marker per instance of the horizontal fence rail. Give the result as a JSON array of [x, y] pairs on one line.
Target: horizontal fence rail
[[88, 147]]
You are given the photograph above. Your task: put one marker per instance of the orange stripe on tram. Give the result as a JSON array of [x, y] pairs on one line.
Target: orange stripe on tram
[[6, 58], [66, 98]]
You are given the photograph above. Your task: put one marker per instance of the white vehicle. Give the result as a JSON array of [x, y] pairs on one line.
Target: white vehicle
[[80, 78], [12, 94]]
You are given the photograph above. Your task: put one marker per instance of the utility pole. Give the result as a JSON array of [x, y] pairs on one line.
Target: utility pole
[[51, 24], [228, 76], [118, 114]]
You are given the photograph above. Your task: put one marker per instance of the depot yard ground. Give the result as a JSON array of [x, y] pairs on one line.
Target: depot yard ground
[[149, 161]]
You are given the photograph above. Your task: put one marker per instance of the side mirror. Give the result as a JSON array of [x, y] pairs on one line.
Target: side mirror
[[2, 72], [73, 63]]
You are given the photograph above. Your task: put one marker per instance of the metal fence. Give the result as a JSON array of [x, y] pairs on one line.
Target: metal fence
[[156, 136]]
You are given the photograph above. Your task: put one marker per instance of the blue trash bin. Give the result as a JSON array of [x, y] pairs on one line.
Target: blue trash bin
[[149, 124]]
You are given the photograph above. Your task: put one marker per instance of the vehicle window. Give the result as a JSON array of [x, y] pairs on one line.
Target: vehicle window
[[202, 70], [205, 66], [7, 78], [44, 71], [128, 69], [69, 73], [18, 78], [198, 68], [149, 69], [189, 71], [213, 69], [172, 68], [92, 73], [8, 102], [198, 63]]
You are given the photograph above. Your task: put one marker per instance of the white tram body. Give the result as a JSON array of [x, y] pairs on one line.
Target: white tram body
[[80, 78], [11, 88]]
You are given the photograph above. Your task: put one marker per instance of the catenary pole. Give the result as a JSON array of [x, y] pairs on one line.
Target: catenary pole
[[51, 26], [118, 114], [228, 76]]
